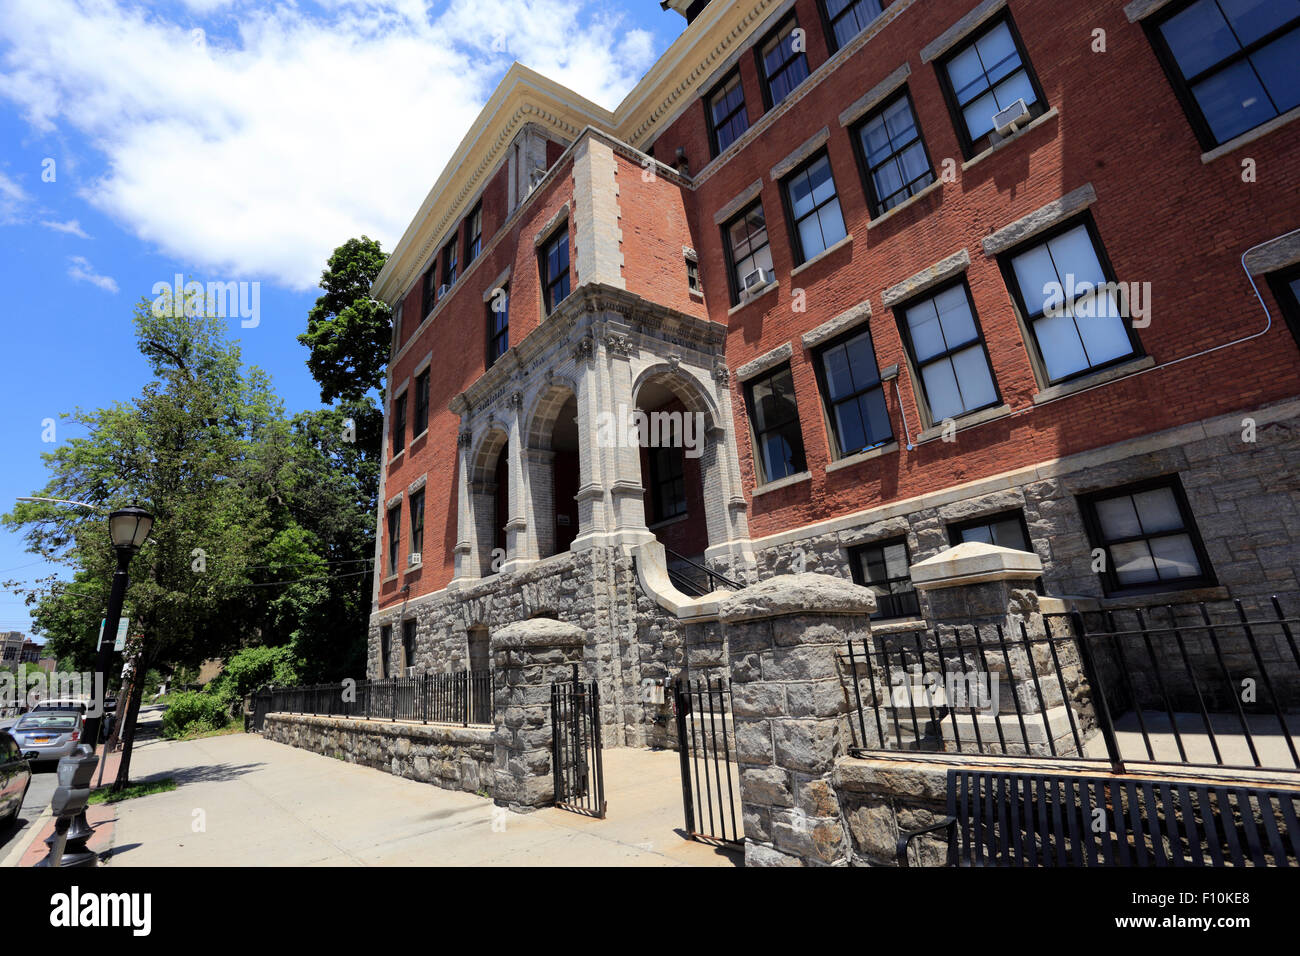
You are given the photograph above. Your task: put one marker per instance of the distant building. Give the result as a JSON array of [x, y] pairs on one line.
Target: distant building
[[11, 648], [31, 651]]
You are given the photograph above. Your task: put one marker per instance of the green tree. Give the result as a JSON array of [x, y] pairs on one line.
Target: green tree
[[349, 332]]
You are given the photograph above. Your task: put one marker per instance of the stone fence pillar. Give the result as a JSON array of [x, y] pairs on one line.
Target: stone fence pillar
[[527, 657], [990, 587], [790, 712]]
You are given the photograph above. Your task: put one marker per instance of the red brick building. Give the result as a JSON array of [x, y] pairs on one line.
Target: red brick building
[[1008, 271]]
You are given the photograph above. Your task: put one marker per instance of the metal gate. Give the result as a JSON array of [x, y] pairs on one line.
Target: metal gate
[[705, 741], [575, 747]]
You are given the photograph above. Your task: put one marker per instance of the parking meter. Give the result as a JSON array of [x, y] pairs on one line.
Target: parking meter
[[68, 842]]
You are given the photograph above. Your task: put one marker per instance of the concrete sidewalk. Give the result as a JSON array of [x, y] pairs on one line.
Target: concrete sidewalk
[[245, 801]]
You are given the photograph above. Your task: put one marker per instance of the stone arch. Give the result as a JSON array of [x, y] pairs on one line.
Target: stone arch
[[552, 466], [489, 488], [700, 478]]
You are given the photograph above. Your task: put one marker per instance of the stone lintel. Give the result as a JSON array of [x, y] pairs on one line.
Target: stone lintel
[[1040, 220], [974, 562], [795, 594], [927, 278]]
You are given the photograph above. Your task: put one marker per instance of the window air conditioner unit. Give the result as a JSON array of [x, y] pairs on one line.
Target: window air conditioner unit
[[756, 280], [416, 559], [1012, 118]]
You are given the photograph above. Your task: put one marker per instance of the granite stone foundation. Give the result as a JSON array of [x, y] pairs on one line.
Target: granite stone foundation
[[450, 757]]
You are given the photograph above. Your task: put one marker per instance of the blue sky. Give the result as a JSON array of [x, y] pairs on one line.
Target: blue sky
[[232, 141]]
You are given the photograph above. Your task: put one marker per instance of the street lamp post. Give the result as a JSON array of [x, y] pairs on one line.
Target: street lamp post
[[128, 529]]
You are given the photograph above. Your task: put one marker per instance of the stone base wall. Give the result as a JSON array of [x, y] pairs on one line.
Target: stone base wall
[[453, 758], [1244, 496]]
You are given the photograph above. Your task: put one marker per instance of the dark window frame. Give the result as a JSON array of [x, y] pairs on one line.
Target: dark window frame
[[792, 224], [551, 283], [894, 605], [416, 534], [498, 340], [971, 148], [1109, 580], [385, 649], [756, 436], [833, 45], [410, 640], [420, 423], [956, 528], [693, 283], [674, 458], [915, 366], [790, 22], [874, 201], [394, 538], [733, 280], [829, 404], [1182, 86], [1279, 283], [428, 295], [1028, 332], [451, 260], [474, 240], [715, 147], [399, 425]]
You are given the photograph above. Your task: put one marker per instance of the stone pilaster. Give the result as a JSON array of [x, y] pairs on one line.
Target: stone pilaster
[[790, 712], [527, 657]]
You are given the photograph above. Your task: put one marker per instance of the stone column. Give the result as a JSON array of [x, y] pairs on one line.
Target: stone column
[[791, 713], [527, 656], [991, 587]]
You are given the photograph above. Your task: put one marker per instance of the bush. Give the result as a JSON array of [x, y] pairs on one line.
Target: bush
[[255, 667], [190, 711]]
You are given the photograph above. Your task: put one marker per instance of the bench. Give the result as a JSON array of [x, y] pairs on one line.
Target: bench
[[999, 818]]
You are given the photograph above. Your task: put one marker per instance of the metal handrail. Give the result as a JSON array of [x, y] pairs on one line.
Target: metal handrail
[[699, 567]]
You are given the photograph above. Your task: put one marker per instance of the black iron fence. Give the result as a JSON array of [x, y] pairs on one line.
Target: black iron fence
[[461, 698], [1200, 685]]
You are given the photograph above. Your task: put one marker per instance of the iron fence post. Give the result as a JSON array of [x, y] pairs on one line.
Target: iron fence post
[[1098, 692]]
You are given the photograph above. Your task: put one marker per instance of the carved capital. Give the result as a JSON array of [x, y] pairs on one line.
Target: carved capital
[[464, 439]]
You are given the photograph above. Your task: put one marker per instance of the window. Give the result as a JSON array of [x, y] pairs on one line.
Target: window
[[884, 567], [1006, 530], [1149, 537], [693, 276], [781, 62], [385, 646], [498, 324], [748, 249], [450, 257], [417, 523], [473, 234], [774, 416], [1232, 63], [667, 483], [408, 642], [399, 424], [1071, 304], [985, 76], [429, 293], [394, 533], [854, 394], [814, 208], [1286, 288], [894, 159], [944, 341], [421, 404], [725, 109], [555, 269], [845, 19]]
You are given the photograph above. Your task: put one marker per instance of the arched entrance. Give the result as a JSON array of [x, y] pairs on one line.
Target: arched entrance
[[490, 501], [672, 439], [554, 470]]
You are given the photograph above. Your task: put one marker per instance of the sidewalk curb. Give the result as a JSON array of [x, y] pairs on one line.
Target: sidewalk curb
[[16, 853]]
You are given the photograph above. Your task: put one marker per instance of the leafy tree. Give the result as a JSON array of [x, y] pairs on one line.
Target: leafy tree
[[348, 332]]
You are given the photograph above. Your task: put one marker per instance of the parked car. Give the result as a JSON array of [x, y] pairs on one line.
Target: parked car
[[15, 778], [48, 734]]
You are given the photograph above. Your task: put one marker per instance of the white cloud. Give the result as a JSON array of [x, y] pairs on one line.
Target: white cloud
[[12, 198], [72, 227], [254, 154], [83, 271]]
